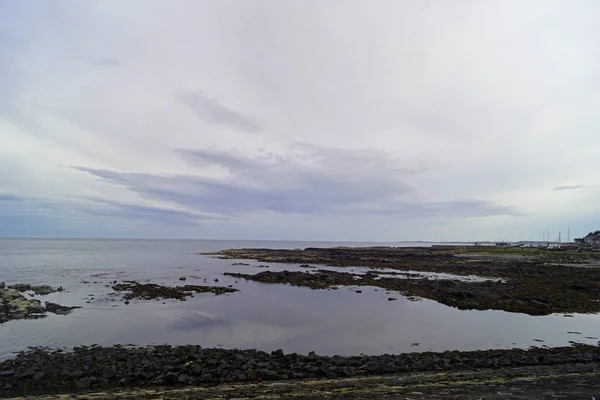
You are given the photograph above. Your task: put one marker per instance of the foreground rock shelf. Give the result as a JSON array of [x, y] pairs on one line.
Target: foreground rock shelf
[[86, 368], [535, 282]]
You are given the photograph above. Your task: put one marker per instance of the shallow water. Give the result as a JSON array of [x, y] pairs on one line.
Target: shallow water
[[260, 316]]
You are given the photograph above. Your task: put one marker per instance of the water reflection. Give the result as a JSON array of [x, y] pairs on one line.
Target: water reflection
[[260, 316]]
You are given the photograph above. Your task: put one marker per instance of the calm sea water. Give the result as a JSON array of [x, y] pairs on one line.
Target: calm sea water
[[266, 317]]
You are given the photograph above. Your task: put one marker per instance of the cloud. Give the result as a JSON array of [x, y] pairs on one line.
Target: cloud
[[309, 180], [349, 120], [214, 112], [145, 213], [569, 187]]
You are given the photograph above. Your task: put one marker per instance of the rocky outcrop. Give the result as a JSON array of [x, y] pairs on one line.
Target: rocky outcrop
[[152, 291], [85, 368], [58, 309], [13, 305], [40, 290]]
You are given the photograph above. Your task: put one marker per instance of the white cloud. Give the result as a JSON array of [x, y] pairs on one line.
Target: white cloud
[[493, 103]]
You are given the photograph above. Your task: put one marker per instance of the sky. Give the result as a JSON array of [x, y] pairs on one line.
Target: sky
[[383, 120]]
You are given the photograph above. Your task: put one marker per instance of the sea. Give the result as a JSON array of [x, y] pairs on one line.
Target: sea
[[259, 316]]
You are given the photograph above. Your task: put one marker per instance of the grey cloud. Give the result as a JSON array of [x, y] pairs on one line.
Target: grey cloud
[[569, 187], [158, 215], [22, 205], [214, 112], [10, 198], [314, 181]]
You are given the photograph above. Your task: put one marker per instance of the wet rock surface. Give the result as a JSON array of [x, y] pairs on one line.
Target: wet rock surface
[[58, 309], [152, 291], [40, 290], [525, 281], [86, 368], [13, 305]]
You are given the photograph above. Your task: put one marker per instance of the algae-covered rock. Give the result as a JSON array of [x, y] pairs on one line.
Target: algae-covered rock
[[13, 305]]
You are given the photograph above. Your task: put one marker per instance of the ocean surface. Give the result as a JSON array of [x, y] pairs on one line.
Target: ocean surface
[[261, 316]]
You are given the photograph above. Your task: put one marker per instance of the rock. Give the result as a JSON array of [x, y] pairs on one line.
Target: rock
[[170, 378], [8, 372], [39, 376], [84, 383], [126, 301], [182, 278], [358, 291], [21, 287], [266, 374], [26, 374], [58, 309], [197, 370], [392, 299], [42, 290], [183, 378], [278, 353], [13, 305]]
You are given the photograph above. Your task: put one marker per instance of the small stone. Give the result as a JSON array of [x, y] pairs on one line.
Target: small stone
[[170, 378], [84, 383], [278, 353], [182, 278], [266, 374], [392, 299], [26, 374], [358, 291], [183, 378], [39, 376], [126, 301]]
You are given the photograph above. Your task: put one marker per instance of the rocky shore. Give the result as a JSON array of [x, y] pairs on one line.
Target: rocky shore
[[86, 368], [14, 305], [534, 282], [152, 291]]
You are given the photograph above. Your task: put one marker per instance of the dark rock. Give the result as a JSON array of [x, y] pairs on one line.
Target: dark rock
[[126, 302], [206, 377], [278, 353], [150, 291], [39, 376], [170, 378], [197, 370], [21, 287], [266, 374], [392, 299], [183, 378], [84, 383], [182, 278], [58, 309], [26, 374], [358, 291]]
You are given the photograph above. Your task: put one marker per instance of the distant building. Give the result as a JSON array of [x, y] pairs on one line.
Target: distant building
[[591, 239]]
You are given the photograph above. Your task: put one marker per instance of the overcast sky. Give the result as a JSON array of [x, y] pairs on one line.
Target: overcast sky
[[381, 120]]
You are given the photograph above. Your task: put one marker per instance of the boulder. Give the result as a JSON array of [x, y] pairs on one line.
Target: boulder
[[58, 309]]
